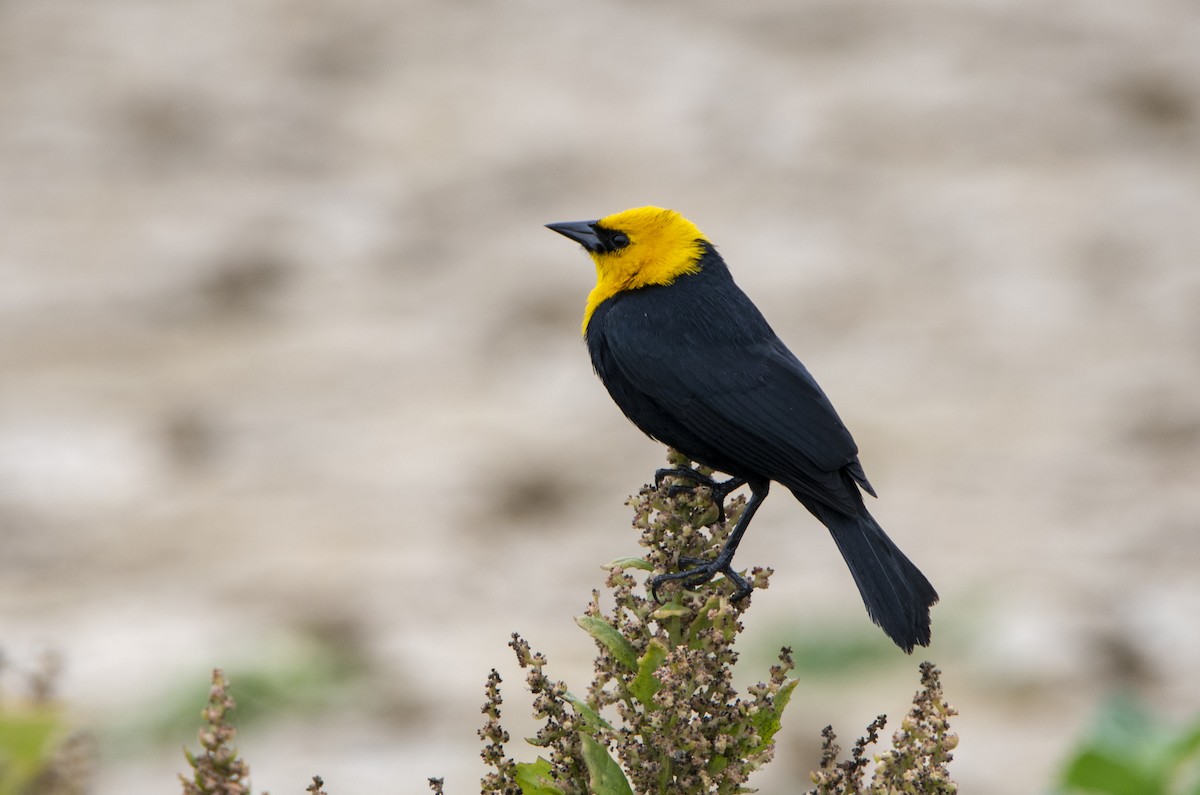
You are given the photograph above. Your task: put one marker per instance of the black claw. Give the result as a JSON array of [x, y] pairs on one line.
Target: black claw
[[702, 572], [684, 473], [720, 488]]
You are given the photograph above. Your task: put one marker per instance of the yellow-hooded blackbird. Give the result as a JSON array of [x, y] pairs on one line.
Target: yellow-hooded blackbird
[[693, 363]]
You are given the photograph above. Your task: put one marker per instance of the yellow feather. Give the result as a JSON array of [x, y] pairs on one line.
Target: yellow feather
[[663, 245]]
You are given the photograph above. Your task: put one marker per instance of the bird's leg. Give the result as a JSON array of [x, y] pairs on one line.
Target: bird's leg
[[720, 488], [704, 571]]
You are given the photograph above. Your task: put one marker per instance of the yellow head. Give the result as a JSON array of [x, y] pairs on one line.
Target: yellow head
[[635, 248]]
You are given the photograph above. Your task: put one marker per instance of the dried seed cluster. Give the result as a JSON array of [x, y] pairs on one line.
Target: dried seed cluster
[[218, 770], [918, 760], [662, 700]]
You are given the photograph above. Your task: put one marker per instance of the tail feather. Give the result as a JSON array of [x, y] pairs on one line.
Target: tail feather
[[894, 590]]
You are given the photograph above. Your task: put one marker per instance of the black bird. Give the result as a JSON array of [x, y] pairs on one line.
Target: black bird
[[693, 363]]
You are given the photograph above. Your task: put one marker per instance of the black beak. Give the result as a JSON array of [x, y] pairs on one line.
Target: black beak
[[582, 232]]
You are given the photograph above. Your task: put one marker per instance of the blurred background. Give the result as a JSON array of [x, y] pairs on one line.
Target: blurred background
[[291, 379]]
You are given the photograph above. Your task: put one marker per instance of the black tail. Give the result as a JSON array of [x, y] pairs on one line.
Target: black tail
[[896, 593]]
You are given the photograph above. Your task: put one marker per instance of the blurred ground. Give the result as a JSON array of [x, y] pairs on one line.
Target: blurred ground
[[284, 348]]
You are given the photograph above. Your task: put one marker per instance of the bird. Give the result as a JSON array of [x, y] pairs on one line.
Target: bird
[[692, 362]]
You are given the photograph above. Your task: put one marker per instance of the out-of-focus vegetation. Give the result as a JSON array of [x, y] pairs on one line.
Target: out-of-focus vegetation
[[41, 752], [1128, 751]]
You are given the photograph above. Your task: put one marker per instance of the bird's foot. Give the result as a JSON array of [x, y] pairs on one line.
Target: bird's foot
[[684, 473], [720, 488], [701, 572]]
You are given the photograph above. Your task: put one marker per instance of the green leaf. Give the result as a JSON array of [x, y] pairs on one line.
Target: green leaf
[[1185, 745], [703, 621], [26, 746], [631, 563], [1095, 771], [610, 638], [646, 684], [670, 610], [591, 718], [1128, 752], [534, 778], [605, 776], [768, 721]]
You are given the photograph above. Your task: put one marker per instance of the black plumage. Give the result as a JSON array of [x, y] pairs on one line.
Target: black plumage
[[694, 364]]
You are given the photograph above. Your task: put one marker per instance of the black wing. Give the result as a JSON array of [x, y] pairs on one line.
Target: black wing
[[711, 378]]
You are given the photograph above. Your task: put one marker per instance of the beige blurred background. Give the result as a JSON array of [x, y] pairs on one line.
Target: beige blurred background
[[287, 357]]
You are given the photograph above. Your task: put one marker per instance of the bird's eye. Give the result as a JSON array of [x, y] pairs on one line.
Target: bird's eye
[[620, 240]]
